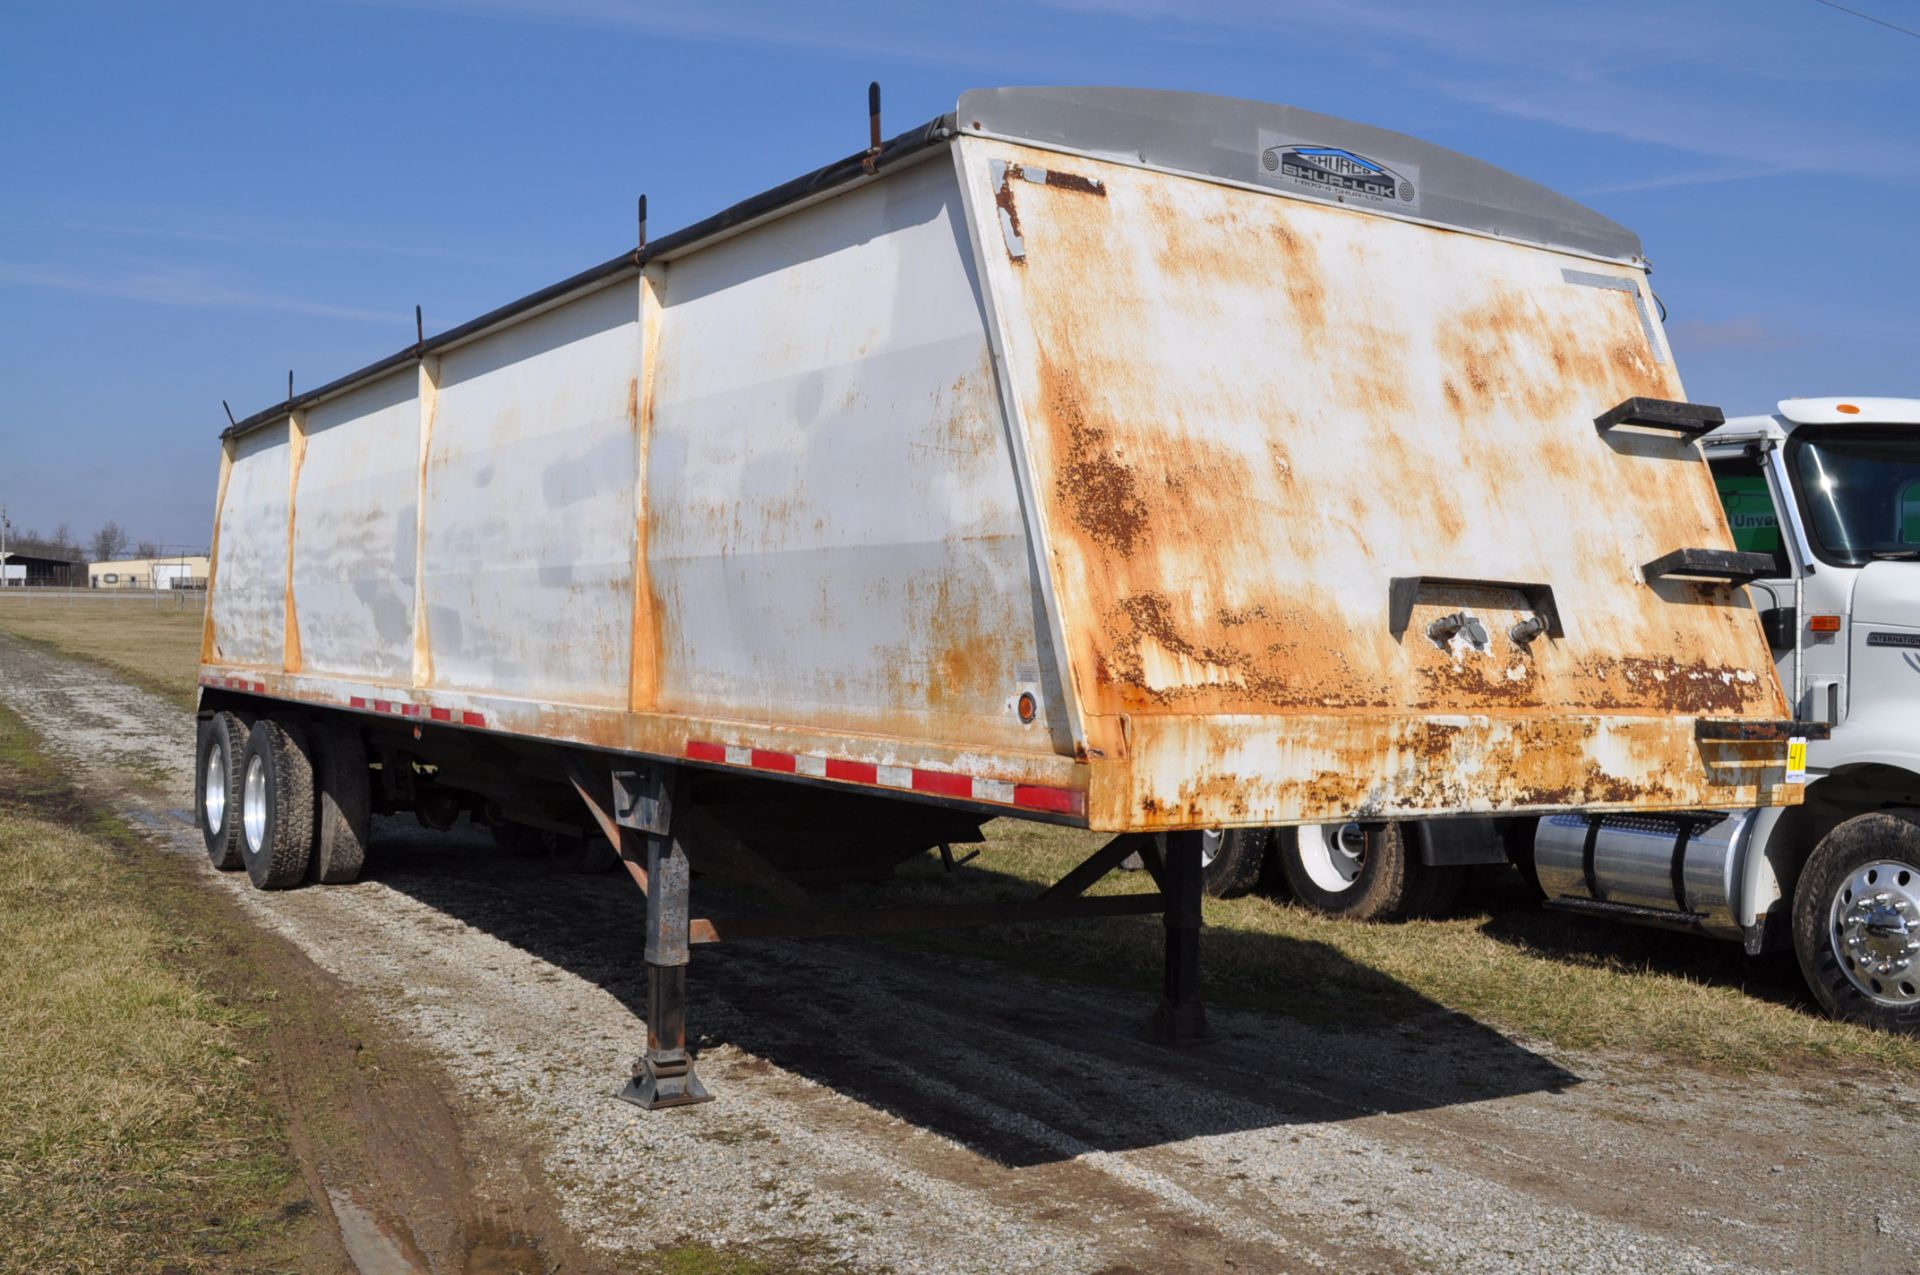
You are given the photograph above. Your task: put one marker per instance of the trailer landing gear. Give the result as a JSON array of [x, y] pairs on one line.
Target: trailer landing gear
[[1180, 1018], [651, 807]]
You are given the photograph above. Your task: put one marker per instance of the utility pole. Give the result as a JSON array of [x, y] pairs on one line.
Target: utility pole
[[5, 526]]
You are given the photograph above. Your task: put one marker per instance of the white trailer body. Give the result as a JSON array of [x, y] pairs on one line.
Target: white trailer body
[[1026, 472], [1142, 461]]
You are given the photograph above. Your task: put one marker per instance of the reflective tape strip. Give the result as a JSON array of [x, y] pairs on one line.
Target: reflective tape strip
[[1064, 801], [943, 784], [936, 783], [854, 772], [995, 790], [451, 716]]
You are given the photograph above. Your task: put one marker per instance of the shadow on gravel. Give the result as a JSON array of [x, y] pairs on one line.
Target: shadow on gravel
[[1024, 1070]]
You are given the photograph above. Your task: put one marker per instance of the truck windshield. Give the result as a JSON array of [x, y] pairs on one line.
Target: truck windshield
[[1861, 488]]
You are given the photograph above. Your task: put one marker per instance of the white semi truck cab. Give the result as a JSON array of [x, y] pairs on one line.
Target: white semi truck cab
[[1830, 488]]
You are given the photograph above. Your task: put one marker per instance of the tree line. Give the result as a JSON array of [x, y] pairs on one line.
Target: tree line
[[110, 542]]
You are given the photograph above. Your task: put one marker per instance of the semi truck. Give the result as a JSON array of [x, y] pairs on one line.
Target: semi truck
[[1828, 489], [1050, 460]]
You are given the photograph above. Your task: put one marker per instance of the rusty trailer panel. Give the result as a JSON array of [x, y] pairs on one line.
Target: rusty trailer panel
[[1208, 462], [1396, 401]]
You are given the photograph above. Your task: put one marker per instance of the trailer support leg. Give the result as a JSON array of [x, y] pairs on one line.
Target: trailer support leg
[[663, 1075], [1180, 1018]]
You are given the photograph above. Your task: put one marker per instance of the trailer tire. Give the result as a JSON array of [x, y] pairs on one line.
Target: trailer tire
[[1231, 859], [1435, 889], [223, 740], [582, 855], [1330, 872], [276, 804], [343, 823], [1856, 922]]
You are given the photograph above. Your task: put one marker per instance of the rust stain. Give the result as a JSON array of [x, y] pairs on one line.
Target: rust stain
[[1003, 200], [292, 658], [1053, 179], [1300, 274], [209, 643], [1073, 182], [1689, 689], [1314, 767], [429, 394], [1096, 487], [646, 645]]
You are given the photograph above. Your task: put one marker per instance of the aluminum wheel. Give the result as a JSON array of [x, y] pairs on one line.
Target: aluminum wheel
[[1874, 925], [1211, 842], [253, 805], [213, 796], [1333, 854]]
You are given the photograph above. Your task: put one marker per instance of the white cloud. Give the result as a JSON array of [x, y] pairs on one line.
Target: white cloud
[[182, 286], [1745, 332], [234, 235]]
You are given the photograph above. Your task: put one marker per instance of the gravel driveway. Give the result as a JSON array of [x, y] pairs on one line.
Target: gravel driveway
[[914, 1113]]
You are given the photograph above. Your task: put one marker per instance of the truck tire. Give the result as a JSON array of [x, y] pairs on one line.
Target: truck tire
[[1231, 859], [343, 823], [1517, 836], [223, 739], [1856, 922], [1331, 870], [276, 805]]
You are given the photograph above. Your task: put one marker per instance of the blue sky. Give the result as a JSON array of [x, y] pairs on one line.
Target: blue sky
[[199, 196]]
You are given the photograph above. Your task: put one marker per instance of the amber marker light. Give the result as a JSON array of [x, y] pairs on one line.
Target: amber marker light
[[1848, 408], [1823, 624]]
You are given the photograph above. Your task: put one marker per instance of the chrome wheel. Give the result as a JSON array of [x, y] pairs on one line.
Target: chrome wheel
[[213, 798], [1874, 926], [1333, 854], [253, 805], [1211, 842]]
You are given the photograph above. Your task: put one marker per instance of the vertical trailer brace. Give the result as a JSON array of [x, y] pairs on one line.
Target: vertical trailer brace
[[649, 805], [663, 1074], [1175, 863]]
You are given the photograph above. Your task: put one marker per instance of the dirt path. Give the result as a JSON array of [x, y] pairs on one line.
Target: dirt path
[[922, 1114]]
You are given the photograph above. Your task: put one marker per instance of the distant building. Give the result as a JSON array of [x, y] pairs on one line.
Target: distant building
[[179, 571], [24, 570]]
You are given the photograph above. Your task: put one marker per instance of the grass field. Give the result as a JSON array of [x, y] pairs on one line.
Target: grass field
[[1499, 958], [1567, 981], [154, 643], [133, 1136]]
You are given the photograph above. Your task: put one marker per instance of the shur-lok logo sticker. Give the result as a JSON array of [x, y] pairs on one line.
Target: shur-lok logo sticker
[[1333, 172]]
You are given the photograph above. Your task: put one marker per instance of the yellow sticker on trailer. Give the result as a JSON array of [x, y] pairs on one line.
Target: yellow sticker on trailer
[[1797, 760]]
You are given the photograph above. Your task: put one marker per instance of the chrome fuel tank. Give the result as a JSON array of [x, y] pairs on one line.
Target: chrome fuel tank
[[1686, 864]]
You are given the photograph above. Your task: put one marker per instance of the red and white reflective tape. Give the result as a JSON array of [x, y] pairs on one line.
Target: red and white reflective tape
[[235, 684], [401, 708], [936, 783]]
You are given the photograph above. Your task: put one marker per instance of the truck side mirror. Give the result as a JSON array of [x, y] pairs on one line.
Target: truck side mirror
[[1779, 624]]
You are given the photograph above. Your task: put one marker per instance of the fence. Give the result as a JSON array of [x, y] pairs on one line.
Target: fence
[[179, 599]]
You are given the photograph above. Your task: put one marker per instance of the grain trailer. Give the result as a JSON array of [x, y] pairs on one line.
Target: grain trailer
[[1144, 462]]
